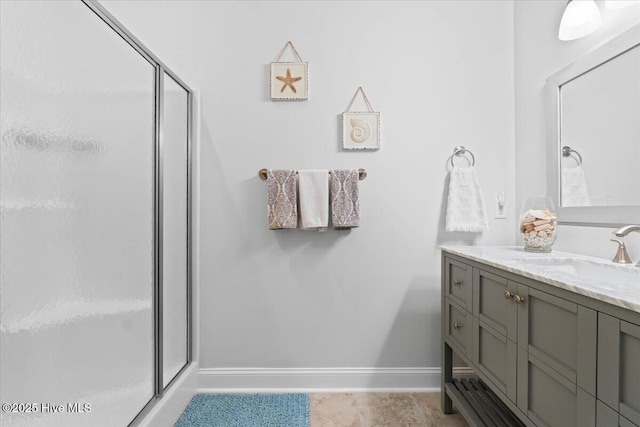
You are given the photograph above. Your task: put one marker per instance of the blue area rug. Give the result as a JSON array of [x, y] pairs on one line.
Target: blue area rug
[[246, 410]]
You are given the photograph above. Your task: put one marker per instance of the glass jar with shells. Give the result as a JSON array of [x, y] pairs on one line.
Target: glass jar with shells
[[538, 224]]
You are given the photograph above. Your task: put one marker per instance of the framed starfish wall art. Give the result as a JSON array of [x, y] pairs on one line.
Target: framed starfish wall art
[[289, 80], [360, 129]]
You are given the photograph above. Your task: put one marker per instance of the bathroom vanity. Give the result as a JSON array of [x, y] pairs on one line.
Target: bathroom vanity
[[555, 337]]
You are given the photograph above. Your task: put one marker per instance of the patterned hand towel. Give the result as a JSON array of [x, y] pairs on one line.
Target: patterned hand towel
[[345, 199], [313, 188], [282, 200], [465, 206]]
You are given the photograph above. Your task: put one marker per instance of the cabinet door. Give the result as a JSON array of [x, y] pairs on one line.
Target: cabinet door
[[458, 280], [457, 327], [492, 302], [618, 366], [559, 333], [549, 399], [495, 356]]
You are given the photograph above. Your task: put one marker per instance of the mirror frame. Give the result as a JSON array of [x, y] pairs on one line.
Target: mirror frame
[[592, 216]]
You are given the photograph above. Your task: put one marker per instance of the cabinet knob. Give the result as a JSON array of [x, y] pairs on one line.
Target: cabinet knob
[[457, 326], [508, 295], [457, 282], [518, 299]]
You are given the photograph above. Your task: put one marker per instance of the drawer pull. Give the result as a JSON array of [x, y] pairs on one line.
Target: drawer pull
[[457, 326], [518, 299], [457, 282], [508, 295]]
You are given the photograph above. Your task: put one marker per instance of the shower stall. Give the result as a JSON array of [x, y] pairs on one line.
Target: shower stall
[[95, 225]]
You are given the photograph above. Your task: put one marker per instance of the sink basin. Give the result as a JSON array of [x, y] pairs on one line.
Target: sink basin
[[613, 274]]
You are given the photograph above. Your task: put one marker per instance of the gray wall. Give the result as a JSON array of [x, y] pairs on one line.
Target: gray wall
[[441, 73]]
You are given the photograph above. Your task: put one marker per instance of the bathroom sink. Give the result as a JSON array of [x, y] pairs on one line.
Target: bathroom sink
[[613, 274]]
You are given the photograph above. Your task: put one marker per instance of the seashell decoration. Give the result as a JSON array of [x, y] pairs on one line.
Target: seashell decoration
[[360, 130]]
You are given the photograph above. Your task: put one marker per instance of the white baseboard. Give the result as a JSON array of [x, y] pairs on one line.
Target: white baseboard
[[256, 380], [167, 411]]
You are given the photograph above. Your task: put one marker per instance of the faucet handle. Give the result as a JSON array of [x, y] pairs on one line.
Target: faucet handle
[[622, 257]]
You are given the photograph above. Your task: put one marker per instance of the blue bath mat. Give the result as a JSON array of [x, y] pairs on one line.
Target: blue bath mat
[[246, 410]]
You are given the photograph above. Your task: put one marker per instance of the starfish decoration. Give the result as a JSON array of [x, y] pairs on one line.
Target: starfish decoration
[[288, 81]]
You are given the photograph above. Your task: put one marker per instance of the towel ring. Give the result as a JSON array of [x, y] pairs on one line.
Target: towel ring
[[460, 151], [262, 173], [566, 152]]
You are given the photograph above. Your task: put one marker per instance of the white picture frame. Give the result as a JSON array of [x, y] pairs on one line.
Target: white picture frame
[[289, 81], [360, 130]]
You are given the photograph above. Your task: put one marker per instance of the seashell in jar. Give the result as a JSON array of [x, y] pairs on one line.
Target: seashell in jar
[[538, 213], [542, 227]]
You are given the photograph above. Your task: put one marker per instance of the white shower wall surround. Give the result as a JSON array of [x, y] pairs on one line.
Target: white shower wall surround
[[79, 229]]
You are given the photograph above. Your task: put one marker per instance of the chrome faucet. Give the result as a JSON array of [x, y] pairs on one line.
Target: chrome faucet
[[621, 232]]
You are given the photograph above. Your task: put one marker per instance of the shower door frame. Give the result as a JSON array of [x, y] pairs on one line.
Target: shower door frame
[[160, 70]]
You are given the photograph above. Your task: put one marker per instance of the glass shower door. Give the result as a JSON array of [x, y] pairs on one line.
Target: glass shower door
[[77, 218], [174, 217]]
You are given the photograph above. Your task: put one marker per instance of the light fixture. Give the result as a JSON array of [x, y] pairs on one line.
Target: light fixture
[[619, 4], [580, 18]]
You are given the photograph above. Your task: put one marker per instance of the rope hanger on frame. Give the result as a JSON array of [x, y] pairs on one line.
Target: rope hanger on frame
[[366, 100], [295, 52]]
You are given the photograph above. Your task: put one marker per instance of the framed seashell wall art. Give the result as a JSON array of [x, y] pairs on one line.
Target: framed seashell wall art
[[289, 80], [360, 129]]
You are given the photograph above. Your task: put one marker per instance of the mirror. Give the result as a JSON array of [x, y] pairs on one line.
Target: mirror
[[594, 135]]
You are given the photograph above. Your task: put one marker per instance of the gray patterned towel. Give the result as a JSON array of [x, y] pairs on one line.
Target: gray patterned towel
[[282, 199], [345, 199]]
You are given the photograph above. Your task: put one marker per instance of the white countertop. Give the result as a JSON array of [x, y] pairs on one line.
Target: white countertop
[[612, 283]]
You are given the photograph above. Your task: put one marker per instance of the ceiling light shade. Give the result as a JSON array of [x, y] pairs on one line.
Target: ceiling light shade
[[580, 18], [619, 4]]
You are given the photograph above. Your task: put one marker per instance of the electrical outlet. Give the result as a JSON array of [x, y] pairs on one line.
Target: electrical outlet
[[500, 209]]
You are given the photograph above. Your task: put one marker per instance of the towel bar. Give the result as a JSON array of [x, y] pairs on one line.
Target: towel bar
[[362, 174], [460, 151]]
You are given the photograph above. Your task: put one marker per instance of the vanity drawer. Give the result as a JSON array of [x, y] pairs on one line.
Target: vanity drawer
[[458, 278], [493, 303], [458, 327]]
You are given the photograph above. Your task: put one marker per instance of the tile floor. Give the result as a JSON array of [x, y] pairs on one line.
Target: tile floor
[[380, 410]]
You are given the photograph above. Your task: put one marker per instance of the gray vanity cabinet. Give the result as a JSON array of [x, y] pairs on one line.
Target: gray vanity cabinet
[[619, 367], [536, 350]]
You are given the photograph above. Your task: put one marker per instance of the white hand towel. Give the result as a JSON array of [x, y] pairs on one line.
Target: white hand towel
[[466, 210], [313, 186], [574, 187]]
